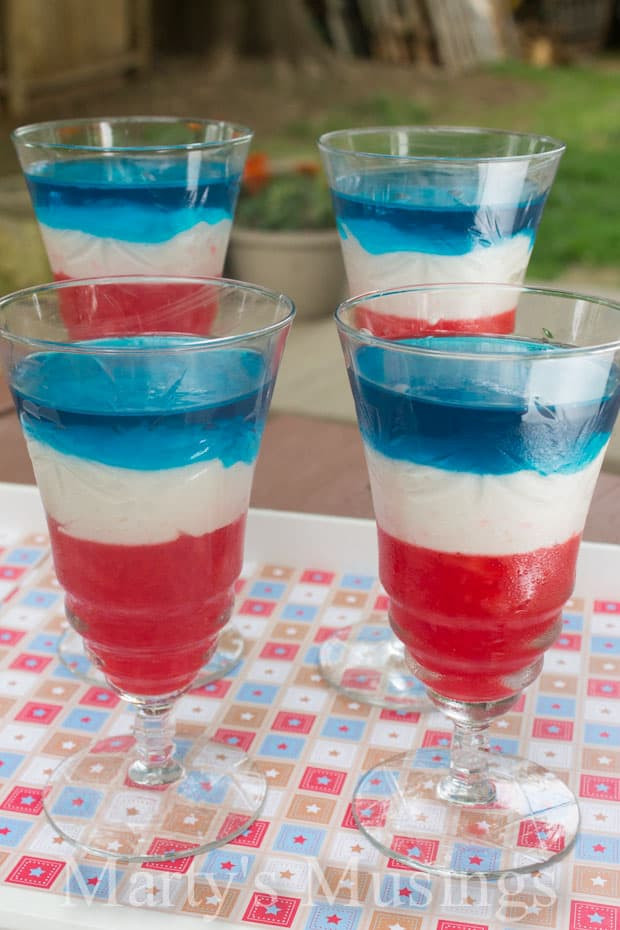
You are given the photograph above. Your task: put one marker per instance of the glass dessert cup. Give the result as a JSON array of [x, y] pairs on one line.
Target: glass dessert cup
[[426, 205], [134, 196], [143, 447], [483, 451]]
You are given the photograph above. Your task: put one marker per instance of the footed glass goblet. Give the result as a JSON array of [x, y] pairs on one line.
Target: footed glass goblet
[[143, 447], [426, 205], [135, 195], [483, 451]]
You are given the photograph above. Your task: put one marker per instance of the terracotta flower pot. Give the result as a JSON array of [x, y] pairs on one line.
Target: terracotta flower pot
[[304, 264]]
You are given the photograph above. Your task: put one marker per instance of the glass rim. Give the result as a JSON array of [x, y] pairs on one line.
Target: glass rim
[[191, 342], [327, 143], [559, 352], [19, 136]]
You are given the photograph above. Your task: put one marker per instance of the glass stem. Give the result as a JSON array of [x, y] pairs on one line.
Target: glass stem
[[155, 765], [467, 781]]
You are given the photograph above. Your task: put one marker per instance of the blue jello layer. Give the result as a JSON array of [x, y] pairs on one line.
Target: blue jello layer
[[146, 411], [134, 200], [430, 212], [447, 413]]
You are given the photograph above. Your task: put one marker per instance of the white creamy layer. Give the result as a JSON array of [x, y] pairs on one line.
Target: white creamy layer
[[197, 251], [505, 263], [478, 514], [128, 507]]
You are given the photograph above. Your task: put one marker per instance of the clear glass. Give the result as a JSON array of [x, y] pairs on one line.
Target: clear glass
[[143, 446], [426, 205], [483, 450], [135, 195]]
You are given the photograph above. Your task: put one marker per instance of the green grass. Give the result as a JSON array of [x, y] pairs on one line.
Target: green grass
[[580, 105]]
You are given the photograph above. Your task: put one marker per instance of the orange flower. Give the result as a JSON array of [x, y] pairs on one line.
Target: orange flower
[[256, 172]]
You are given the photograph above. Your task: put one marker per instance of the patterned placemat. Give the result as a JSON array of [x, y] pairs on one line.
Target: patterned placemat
[[303, 865]]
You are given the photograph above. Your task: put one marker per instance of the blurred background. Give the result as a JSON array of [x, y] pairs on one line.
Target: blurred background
[[292, 69]]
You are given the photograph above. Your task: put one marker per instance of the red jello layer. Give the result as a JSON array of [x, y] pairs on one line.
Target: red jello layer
[[121, 309], [389, 326], [150, 614], [473, 622]]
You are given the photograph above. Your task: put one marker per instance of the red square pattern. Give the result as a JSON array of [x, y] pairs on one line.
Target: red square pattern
[[361, 679], [253, 836], [604, 689], [316, 576], [36, 872], [371, 812], [326, 632], [100, 697], [459, 925], [427, 850], [213, 689], [37, 712], [607, 607], [287, 722], [10, 572], [601, 787], [569, 641], [585, 915], [272, 910], [285, 652], [552, 729], [382, 602], [10, 637], [534, 834], [27, 662], [239, 739], [24, 800], [159, 847], [437, 738], [255, 608], [327, 781]]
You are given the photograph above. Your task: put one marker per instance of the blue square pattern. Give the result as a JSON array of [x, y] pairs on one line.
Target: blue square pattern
[[605, 645], [597, 734], [431, 757], [12, 831], [255, 692], [507, 747], [412, 685], [343, 728], [41, 599], [328, 916], [91, 881], [78, 801], [593, 847], [44, 642], [267, 590], [405, 891], [224, 865], [374, 634], [211, 790], [23, 555], [474, 858], [85, 719], [383, 783], [302, 612], [282, 746], [300, 839], [551, 706], [9, 763], [572, 623], [312, 656], [357, 582]]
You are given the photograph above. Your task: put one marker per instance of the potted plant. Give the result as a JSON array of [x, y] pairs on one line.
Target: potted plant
[[284, 235]]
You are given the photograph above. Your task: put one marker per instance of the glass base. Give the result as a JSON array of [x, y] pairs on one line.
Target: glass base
[[532, 821], [91, 802], [73, 656], [369, 666]]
